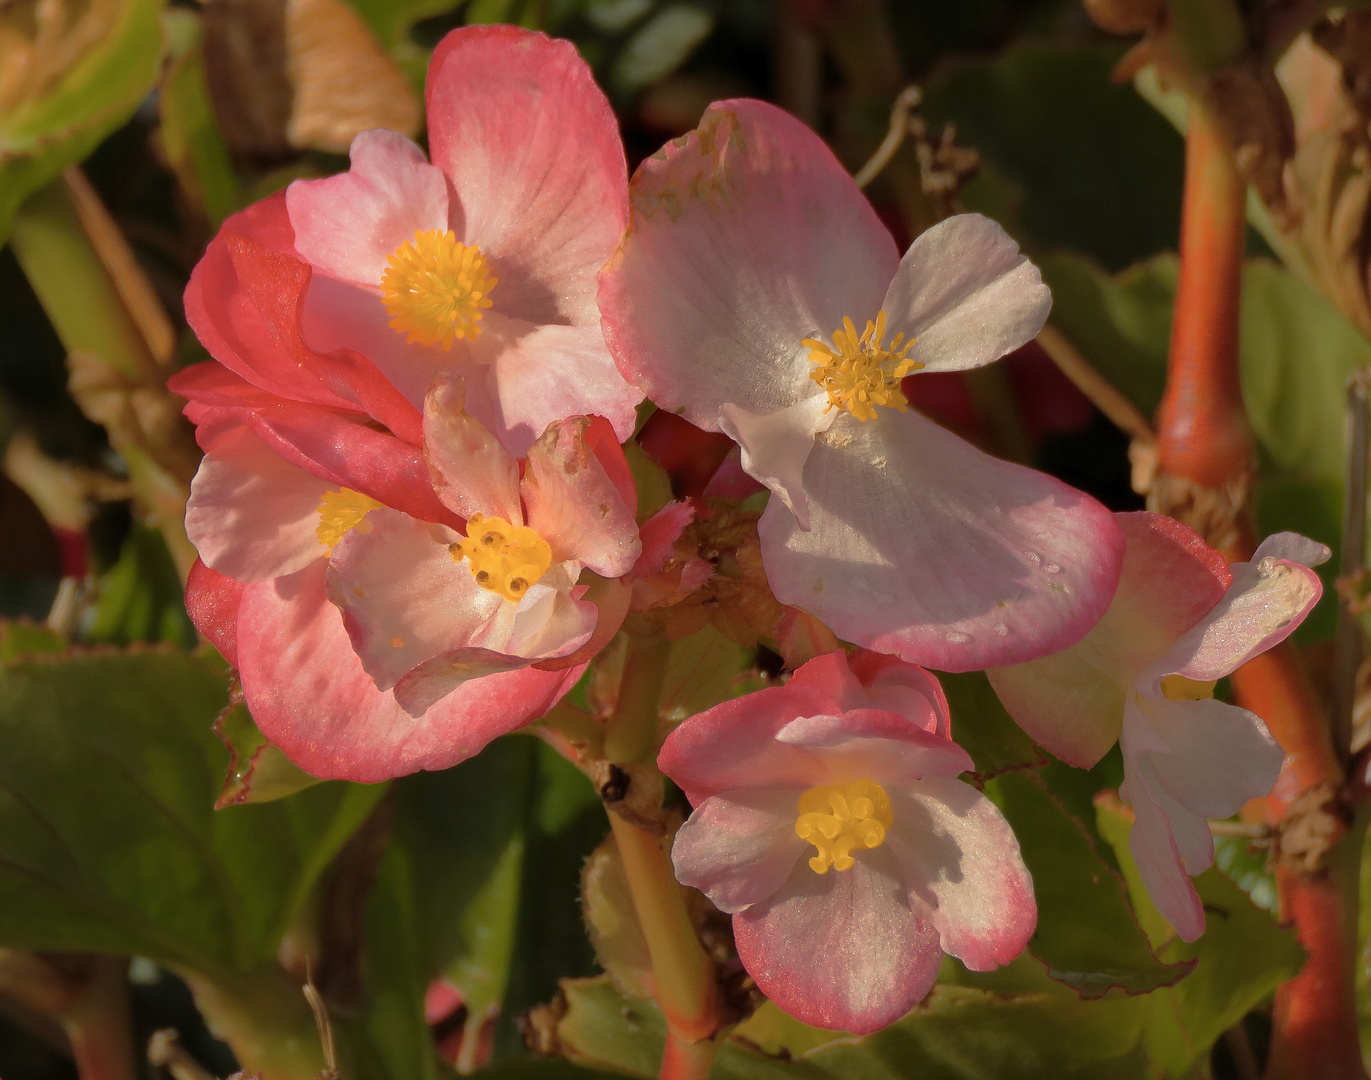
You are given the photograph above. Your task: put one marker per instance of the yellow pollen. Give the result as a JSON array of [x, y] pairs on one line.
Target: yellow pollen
[[340, 511], [434, 288], [1179, 688], [839, 818], [504, 558], [862, 374]]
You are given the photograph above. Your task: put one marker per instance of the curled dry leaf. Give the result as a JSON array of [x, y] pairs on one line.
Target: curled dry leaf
[[287, 75]]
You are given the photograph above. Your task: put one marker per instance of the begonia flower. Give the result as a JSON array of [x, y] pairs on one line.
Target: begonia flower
[[374, 639], [348, 294], [757, 293], [830, 823], [1144, 677]]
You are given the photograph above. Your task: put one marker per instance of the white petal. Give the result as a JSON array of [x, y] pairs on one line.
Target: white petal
[[776, 446]]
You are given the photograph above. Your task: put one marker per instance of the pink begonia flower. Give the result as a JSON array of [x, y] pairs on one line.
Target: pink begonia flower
[[829, 822], [1144, 676], [373, 638], [757, 293], [348, 294]]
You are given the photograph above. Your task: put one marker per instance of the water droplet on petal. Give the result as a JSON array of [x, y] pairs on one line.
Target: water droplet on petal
[[1033, 557], [956, 637], [1052, 568], [1001, 629]]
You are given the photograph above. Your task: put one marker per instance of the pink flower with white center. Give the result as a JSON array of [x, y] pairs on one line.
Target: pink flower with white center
[[1144, 676], [758, 294], [374, 638], [482, 263], [830, 823]]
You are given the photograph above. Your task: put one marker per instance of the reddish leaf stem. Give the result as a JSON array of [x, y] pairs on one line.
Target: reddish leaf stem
[[1204, 441]]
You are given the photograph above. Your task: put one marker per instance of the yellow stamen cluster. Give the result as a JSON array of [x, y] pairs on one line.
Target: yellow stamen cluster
[[862, 374], [340, 511], [435, 287], [504, 558], [1179, 688], [839, 818]]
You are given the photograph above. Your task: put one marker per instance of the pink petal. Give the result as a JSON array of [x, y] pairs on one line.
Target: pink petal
[[575, 506], [871, 744], [403, 597], [730, 481], [252, 515], [554, 372], [1072, 702], [428, 683], [471, 472], [532, 149], [1158, 858], [309, 695], [337, 449], [1294, 548], [747, 237], [775, 446], [1262, 607], [212, 603], [244, 302], [868, 680], [733, 744], [600, 437], [659, 535], [843, 950], [347, 225], [959, 855], [1216, 757], [739, 847], [966, 295], [922, 546]]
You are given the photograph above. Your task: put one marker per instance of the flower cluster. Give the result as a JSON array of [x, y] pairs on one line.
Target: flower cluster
[[417, 525]]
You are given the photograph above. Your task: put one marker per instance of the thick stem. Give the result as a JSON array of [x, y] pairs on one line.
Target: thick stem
[[99, 1023], [631, 734], [688, 1060], [1201, 425], [682, 975]]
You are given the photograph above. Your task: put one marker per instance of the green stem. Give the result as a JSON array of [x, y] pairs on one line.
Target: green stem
[[631, 734]]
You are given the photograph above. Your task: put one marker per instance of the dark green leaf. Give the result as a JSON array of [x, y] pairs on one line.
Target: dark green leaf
[[108, 836], [1241, 958], [25, 638], [140, 596], [1087, 935], [983, 729]]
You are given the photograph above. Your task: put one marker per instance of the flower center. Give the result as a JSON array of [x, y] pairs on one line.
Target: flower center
[[1179, 688], [862, 374], [340, 511], [504, 558], [434, 288], [839, 818]]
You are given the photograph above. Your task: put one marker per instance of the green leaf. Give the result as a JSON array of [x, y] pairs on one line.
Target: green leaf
[[141, 596], [1101, 169], [660, 46], [108, 837], [1241, 958], [258, 771], [49, 130], [27, 639], [702, 671], [983, 729], [1087, 935], [958, 1033], [650, 479]]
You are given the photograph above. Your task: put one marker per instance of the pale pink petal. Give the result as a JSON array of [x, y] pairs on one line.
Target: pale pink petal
[[733, 745], [1294, 548], [472, 473], [966, 295], [1158, 859], [868, 680], [776, 445], [842, 950], [1262, 607], [549, 623], [922, 546], [423, 686], [739, 847], [403, 597], [574, 504], [252, 515], [532, 149], [871, 744], [554, 372], [1217, 756], [960, 857], [348, 224], [309, 695], [747, 237], [1072, 702]]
